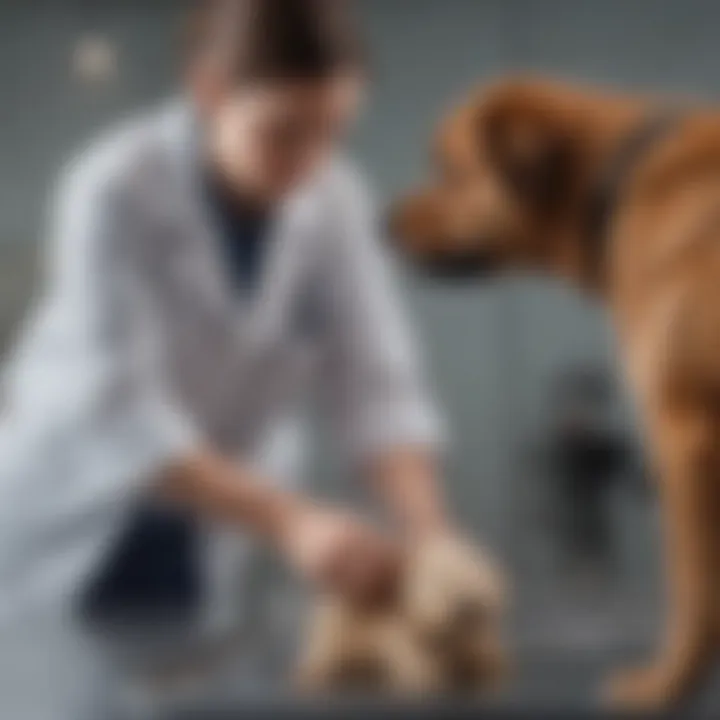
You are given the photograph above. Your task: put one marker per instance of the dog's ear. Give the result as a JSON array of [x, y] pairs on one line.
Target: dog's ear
[[528, 141]]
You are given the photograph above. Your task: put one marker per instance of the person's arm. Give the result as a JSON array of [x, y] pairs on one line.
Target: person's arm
[[333, 549], [379, 400], [123, 425], [227, 492], [408, 481]]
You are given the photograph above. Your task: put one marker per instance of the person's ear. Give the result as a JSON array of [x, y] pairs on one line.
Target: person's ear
[[531, 147]]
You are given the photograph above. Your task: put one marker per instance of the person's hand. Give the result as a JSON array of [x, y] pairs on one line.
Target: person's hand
[[340, 553]]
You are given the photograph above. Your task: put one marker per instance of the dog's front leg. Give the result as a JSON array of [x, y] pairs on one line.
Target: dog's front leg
[[413, 671], [686, 444], [328, 643]]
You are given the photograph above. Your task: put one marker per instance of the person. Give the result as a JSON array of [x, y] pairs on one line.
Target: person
[[210, 262]]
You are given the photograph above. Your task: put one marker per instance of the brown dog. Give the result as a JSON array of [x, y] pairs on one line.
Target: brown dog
[[622, 196], [440, 634]]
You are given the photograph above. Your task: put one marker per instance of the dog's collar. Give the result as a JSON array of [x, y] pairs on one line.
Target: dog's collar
[[608, 193]]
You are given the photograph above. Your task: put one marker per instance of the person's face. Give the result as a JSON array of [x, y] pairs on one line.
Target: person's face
[[269, 139]]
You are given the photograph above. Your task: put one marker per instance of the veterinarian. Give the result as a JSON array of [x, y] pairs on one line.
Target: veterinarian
[[210, 263]]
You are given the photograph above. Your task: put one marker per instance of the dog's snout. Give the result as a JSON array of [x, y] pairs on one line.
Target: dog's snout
[[414, 219]]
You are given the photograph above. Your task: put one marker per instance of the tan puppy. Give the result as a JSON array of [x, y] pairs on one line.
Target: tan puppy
[[612, 193], [440, 634]]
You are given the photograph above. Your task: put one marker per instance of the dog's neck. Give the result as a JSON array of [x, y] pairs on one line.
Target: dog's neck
[[599, 131]]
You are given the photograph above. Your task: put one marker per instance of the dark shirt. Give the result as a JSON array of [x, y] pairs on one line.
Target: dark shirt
[[242, 233]]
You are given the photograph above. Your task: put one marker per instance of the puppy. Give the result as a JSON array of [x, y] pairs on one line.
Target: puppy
[[440, 634], [620, 195]]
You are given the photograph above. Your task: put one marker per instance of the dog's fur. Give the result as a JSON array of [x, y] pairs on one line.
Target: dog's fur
[[517, 167], [440, 634]]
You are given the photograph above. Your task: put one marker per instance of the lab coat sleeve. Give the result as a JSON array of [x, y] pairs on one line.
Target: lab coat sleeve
[[379, 396], [88, 377]]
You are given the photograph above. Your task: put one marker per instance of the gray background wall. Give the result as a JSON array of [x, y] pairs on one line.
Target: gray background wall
[[491, 349]]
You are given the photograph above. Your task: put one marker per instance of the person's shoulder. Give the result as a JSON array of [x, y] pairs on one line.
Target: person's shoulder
[[346, 204], [119, 162], [346, 180], [349, 213]]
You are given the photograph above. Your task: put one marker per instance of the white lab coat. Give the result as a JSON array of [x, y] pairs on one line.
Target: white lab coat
[[140, 350]]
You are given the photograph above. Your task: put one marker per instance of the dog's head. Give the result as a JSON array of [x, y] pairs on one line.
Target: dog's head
[[510, 172], [454, 601]]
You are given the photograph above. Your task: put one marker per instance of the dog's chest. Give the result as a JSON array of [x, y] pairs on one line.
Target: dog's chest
[[646, 334]]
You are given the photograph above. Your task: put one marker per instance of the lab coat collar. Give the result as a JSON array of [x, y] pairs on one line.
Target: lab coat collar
[[260, 314]]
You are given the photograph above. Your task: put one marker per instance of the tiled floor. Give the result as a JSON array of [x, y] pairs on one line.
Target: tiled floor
[[542, 680]]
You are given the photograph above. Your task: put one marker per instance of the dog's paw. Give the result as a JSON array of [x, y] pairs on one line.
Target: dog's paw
[[307, 681], [647, 689]]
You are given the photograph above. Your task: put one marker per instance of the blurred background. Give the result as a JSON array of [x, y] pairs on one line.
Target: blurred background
[[499, 352]]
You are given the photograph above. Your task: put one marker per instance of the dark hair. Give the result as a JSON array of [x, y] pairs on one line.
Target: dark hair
[[259, 40]]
